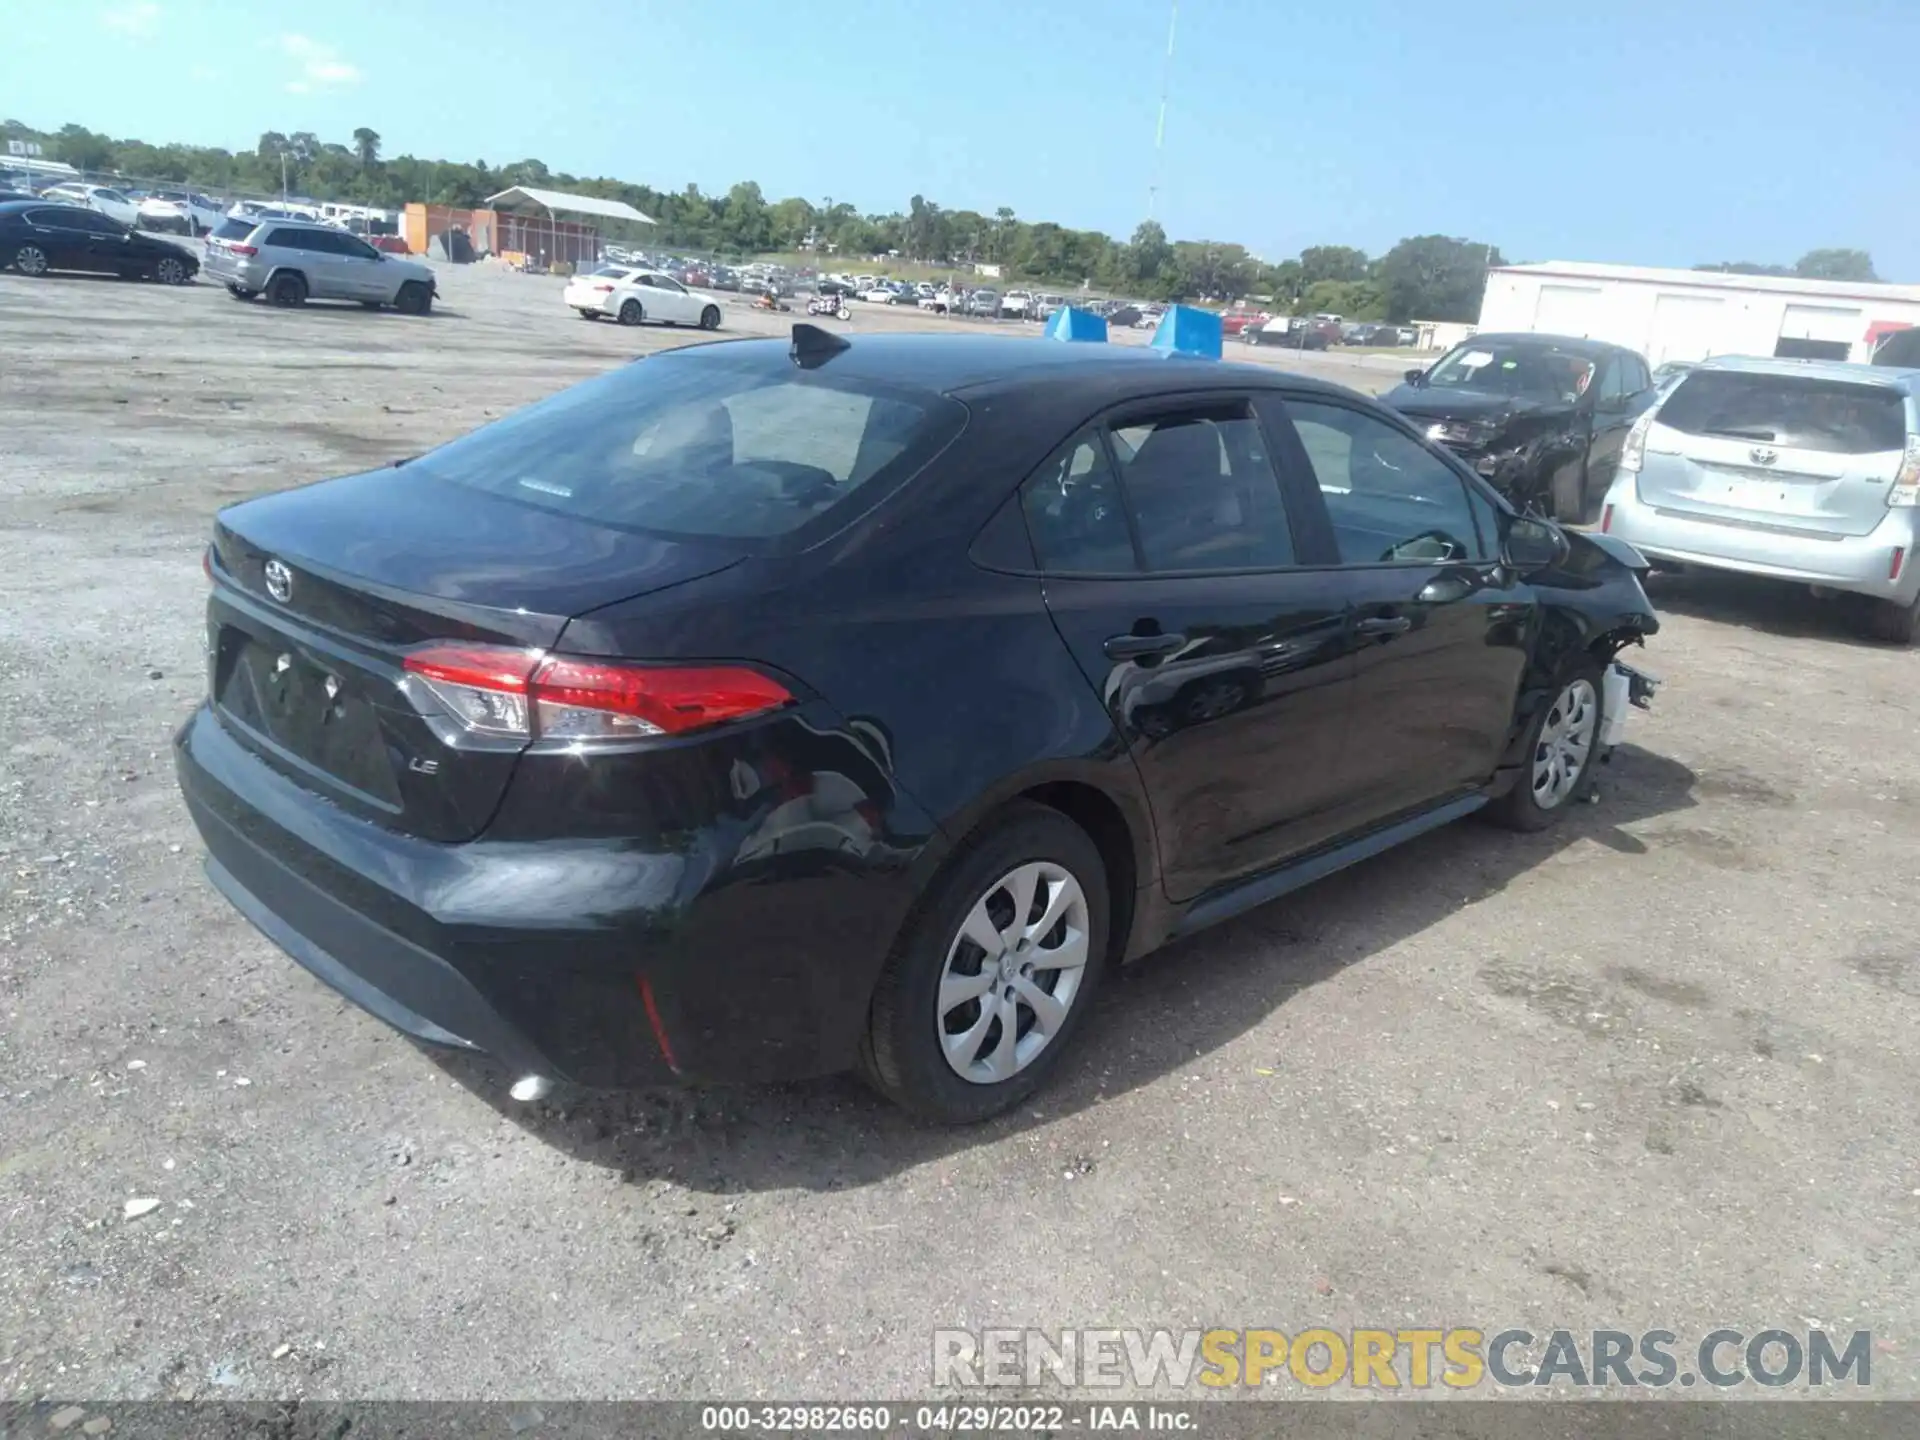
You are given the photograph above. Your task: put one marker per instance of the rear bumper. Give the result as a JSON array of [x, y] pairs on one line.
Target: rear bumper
[[1861, 564], [591, 961]]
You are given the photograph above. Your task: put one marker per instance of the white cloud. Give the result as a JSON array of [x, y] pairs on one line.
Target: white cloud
[[320, 65], [137, 17]]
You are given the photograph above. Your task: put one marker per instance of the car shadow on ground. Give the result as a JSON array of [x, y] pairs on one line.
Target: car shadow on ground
[[1773, 606], [1158, 1014]]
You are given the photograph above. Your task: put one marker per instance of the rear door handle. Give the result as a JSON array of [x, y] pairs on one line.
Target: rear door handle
[[1140, 647], [1384, 625]]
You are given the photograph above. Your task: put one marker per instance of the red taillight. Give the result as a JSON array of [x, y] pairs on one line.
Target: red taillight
[[525, 692], [603, 289], [243, 249], [1899, 559], [206, 563], [1606, 518]]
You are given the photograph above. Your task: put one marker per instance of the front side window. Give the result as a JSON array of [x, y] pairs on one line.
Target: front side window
[[1391, 500]]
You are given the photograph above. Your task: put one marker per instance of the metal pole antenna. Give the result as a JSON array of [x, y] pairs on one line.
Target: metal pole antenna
[[1160, 128]]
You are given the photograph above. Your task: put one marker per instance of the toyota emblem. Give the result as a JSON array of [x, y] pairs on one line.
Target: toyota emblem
[[279, 581], [1763, 455]]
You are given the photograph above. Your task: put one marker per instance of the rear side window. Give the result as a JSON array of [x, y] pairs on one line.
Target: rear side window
[[742, 448], [1788, 411], [1191, 490], [289, 239]]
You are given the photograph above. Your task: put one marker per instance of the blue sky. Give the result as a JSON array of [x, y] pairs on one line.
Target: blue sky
[[1620, 130]]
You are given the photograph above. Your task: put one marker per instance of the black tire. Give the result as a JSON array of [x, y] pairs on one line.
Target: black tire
[[1521, 808], [902, 1055], [1567, 495], [588, 314], [631, 313], [32, 260], [415, 298], [169, 271], [1893, 622], [287, 289], [710, 318], [240, 292]]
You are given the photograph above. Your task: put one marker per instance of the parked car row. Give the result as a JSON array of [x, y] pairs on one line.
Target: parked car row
[[1805, 471]]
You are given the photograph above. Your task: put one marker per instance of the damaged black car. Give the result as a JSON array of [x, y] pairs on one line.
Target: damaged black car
[[1542, 417]]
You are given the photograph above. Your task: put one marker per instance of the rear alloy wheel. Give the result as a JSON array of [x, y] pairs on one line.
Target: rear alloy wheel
[[415, 298], [1892, 621], [631, 313], [31, 260], [170, 271], [710, 318], [287, 290], [1562, 744], [994, 975]]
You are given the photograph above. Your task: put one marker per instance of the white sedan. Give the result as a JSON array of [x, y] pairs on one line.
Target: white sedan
[[108, 201], [878, 295], [633, 296], [180, 210]]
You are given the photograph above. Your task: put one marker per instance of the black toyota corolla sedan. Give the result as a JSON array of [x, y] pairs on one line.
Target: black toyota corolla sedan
[[762, 710]]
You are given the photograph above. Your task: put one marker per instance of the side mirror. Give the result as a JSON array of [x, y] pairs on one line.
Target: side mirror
[[1534, 545], [1416, 378]]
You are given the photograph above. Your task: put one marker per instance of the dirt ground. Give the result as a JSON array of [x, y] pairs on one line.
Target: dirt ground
[[1654, 1069]]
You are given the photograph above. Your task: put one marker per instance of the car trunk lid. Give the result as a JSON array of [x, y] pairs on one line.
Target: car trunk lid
[[322, 592], [1799, 454]]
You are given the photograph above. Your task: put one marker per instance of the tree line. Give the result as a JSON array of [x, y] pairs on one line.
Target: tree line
[[1424, 277]]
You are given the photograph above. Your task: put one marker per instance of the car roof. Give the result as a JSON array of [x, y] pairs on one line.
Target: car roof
[[978, 365], [1892, 376]]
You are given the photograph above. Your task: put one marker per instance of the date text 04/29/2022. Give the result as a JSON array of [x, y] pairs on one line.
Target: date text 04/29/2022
[[943, 1419]]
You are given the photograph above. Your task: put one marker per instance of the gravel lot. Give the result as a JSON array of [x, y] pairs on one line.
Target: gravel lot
[[1652, 1070]]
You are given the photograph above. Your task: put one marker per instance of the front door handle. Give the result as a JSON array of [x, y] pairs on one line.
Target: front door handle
[[1141, 647], [1384, 625]]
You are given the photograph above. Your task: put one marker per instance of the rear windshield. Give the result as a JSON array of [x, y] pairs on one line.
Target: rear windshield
[[234, 229], [1789, 411], [741, 446]]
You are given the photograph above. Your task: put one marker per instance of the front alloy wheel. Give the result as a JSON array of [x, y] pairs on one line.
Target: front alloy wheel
[[1012, 973], [1565, 744], [171, 271]]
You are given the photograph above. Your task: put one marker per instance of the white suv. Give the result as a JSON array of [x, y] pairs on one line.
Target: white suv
[[1803, 470]]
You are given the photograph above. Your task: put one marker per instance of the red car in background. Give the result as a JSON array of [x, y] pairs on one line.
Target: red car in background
[[1234, 321]]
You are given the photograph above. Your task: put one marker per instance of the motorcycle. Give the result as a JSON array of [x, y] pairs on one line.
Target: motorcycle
[[834, 305]]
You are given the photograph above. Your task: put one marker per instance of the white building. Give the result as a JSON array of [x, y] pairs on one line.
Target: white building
[[1691, 314]]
